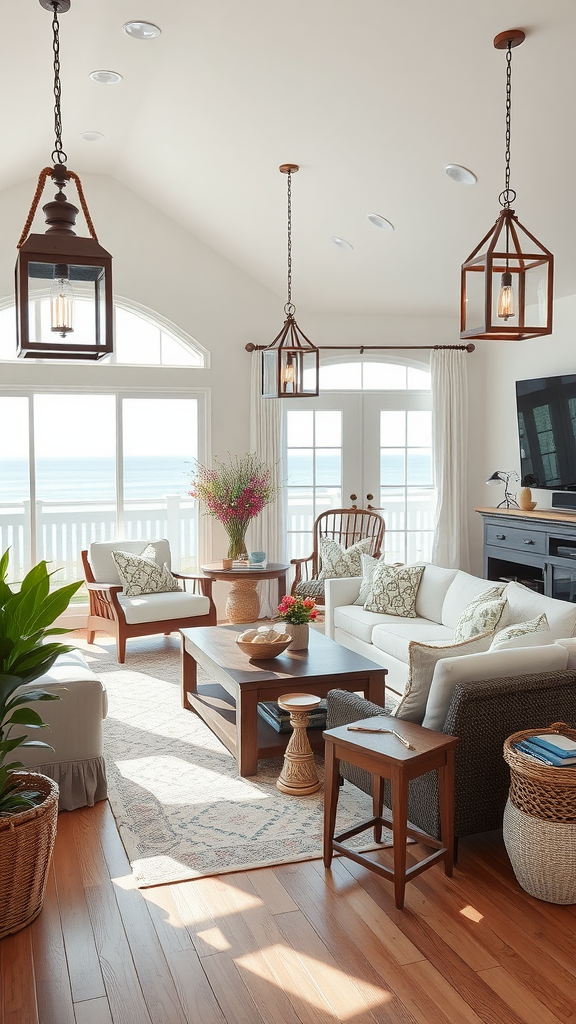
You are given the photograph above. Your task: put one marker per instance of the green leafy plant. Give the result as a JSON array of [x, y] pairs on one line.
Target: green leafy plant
[[25, 618]]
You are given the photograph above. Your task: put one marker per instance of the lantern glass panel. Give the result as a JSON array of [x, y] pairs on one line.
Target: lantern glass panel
[[82, 306], [308, 379], [270, 373], [475, 279]]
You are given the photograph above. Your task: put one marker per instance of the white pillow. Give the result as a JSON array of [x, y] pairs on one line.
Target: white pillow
[[490, 665], [337, 562], [481, 615], [524, 604], [422, 660], [534, 633], [369, 564], [394, 590], [141, 574]]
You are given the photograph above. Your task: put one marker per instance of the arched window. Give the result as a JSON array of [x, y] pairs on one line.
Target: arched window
[[142, 337], [366, 441]]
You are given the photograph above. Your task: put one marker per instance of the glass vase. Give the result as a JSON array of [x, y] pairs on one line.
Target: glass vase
[[236, 539]]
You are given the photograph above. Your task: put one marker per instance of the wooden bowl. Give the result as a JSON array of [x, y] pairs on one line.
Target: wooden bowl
[[261, 652]]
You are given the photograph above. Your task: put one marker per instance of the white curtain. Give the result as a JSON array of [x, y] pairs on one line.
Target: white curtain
[[267, 531], [450, 443]]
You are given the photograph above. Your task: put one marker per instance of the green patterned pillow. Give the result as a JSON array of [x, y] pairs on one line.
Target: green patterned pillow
[[482, 615], [337, 562], [535, 632], [394, 590], [368, 566], [141, 574]]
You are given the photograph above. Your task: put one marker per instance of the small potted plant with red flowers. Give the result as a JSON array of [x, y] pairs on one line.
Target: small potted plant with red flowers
[[297, 613]]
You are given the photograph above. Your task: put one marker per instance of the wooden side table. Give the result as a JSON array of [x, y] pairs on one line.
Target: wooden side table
[[385, 757], [242, 603], [299, 775]]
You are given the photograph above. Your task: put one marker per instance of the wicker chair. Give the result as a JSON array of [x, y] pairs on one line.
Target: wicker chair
[[123, 617], [482, 715], [346, 526]]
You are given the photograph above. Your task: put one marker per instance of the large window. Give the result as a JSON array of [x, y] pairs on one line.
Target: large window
[[365, 441]]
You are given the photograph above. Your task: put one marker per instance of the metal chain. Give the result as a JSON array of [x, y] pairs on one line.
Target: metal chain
[[508, 195], [289, 308], [58, 154]]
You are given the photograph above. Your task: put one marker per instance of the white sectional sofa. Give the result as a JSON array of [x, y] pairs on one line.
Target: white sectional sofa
[[75, 731], [442, 596]]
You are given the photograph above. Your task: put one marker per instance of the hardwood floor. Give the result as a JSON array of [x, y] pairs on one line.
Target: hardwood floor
[[286, 945]]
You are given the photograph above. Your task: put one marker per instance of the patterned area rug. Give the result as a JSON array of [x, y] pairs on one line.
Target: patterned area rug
[[180, 806]]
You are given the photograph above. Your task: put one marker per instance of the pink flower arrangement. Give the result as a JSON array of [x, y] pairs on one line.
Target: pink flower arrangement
[[297, 610], [234, 494]]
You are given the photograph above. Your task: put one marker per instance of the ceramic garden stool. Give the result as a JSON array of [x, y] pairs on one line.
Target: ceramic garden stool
[[299, 775]]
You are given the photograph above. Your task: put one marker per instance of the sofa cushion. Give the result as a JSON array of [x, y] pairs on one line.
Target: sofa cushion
[[357, 622], [395, 635], [156, 607], [338, 562], [490, 665], [534, 633], [524, 604], [483, 615], [103, 565], [141, 574], [422, 662], [394, 590], [569, 644], [432, 591], [463, 589]]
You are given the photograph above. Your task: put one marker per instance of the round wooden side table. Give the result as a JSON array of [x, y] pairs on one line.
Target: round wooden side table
[[299, 775], [242, 603]]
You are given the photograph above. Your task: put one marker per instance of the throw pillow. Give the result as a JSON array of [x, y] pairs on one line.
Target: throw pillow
[[533, 633], [368, 565], [394, 590], [141, 574], [482, 615], [422, 660], [337, 562]]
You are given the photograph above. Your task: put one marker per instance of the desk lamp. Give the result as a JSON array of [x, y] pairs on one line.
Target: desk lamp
[[504, 476]]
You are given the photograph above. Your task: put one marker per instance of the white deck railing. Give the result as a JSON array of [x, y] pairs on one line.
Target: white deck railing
[[59, 531]]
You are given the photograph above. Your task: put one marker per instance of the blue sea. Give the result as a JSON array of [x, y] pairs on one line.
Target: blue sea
[[73, 479], [92, 479]]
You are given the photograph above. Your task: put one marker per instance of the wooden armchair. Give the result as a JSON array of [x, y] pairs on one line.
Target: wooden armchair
[[346, 526], [120, 616]]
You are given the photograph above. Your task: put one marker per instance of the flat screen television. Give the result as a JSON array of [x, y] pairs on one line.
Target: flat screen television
[[547, 432]]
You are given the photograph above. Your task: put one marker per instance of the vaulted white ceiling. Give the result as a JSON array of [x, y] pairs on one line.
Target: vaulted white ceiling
[[370, 97]]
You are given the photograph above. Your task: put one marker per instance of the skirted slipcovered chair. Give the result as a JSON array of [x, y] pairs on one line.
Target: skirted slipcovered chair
[[349, 533], [127, 610]]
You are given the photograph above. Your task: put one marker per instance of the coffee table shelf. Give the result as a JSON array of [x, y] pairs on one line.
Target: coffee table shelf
[[229, 702]]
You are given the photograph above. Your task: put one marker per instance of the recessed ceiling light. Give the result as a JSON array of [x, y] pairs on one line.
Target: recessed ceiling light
[[105, 77], [141, 30], [460, 174], [91, 136], [342, 243], [380, 222]]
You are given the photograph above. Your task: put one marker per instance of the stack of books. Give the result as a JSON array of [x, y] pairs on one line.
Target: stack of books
[[550, 748], [280, 719], [245, 564]]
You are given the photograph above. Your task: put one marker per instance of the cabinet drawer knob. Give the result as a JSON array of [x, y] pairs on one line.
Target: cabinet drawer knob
[[500, 536], [528, 540]]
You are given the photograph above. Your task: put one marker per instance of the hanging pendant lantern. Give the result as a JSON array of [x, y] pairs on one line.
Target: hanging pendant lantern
[[64, 302], [291, 364], [506, 289]]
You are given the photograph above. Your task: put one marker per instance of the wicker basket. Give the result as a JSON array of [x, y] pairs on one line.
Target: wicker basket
[[26, 844], [540, 821]]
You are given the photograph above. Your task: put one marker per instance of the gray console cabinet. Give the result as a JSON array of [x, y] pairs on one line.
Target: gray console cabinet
[[536, 548]]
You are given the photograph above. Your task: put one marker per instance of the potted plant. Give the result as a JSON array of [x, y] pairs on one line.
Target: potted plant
[[28, 800], [297, 612]]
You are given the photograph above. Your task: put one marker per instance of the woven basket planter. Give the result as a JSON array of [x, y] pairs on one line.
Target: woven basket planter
[[540, 821], [26, 844]]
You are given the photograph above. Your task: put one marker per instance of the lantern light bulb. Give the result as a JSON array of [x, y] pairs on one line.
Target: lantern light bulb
[[61, 302], [506, 307]]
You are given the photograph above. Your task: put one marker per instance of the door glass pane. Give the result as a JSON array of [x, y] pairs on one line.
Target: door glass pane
[[419, 428], [328, 466], [328, 429], [419, 466], [299, 429], [300, 467], [314, 468], [392, 465], [160, 439], [392, 428], [14, 485], [75, 448]]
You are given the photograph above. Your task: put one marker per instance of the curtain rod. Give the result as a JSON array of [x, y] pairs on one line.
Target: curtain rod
[[251, 347]]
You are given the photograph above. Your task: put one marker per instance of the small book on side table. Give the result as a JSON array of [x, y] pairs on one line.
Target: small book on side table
[[280, 719]]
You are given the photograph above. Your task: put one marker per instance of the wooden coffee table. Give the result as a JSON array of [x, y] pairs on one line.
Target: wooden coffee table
[[229, 702]]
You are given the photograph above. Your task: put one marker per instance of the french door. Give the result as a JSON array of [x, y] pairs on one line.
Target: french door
[[365, 449]]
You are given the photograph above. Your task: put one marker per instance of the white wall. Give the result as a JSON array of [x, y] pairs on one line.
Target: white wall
[[494, 434]]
